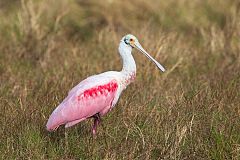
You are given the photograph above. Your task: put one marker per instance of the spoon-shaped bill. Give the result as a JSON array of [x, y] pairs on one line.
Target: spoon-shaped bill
[[140, 48]]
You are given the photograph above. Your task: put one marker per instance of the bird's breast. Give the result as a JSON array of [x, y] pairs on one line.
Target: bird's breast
[[130, 77]]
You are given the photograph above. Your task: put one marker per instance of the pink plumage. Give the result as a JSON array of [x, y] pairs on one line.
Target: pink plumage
[[92, 96], [98, 94]]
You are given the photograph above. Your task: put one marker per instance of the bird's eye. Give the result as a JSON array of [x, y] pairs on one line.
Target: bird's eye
[[131, 40]]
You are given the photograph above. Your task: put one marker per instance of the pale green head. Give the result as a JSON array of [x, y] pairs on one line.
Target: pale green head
[[132, 41]]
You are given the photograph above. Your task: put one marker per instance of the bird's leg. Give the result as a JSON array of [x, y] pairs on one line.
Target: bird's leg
[[96, 121]]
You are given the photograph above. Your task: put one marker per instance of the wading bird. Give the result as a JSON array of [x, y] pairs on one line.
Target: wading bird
[[98, 94]]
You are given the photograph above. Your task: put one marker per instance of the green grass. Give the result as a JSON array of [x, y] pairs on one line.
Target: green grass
[[189, 112]]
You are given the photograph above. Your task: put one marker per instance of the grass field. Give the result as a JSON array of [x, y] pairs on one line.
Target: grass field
[[192, 111]]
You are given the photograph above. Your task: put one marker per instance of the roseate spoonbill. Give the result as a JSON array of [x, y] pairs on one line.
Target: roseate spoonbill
[[98, 94]]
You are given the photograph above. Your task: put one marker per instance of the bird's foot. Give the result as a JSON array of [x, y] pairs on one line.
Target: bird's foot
[[96, 122]]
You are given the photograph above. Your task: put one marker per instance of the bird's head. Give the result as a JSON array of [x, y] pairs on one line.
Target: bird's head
[[131, 41]]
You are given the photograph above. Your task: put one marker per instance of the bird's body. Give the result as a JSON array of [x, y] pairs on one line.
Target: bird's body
[[98, 94]]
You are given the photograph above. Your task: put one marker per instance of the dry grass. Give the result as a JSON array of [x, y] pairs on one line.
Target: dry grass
[[190, 112]]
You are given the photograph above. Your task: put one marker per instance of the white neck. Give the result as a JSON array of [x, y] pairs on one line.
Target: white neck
[[129, 65]]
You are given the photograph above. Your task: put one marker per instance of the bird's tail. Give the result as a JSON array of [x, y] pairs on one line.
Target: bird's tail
[[55, 120]]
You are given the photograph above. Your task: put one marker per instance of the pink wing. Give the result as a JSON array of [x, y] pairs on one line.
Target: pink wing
[[93, 95]]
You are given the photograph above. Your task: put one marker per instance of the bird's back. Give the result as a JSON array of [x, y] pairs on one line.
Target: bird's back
[[93, 95]]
